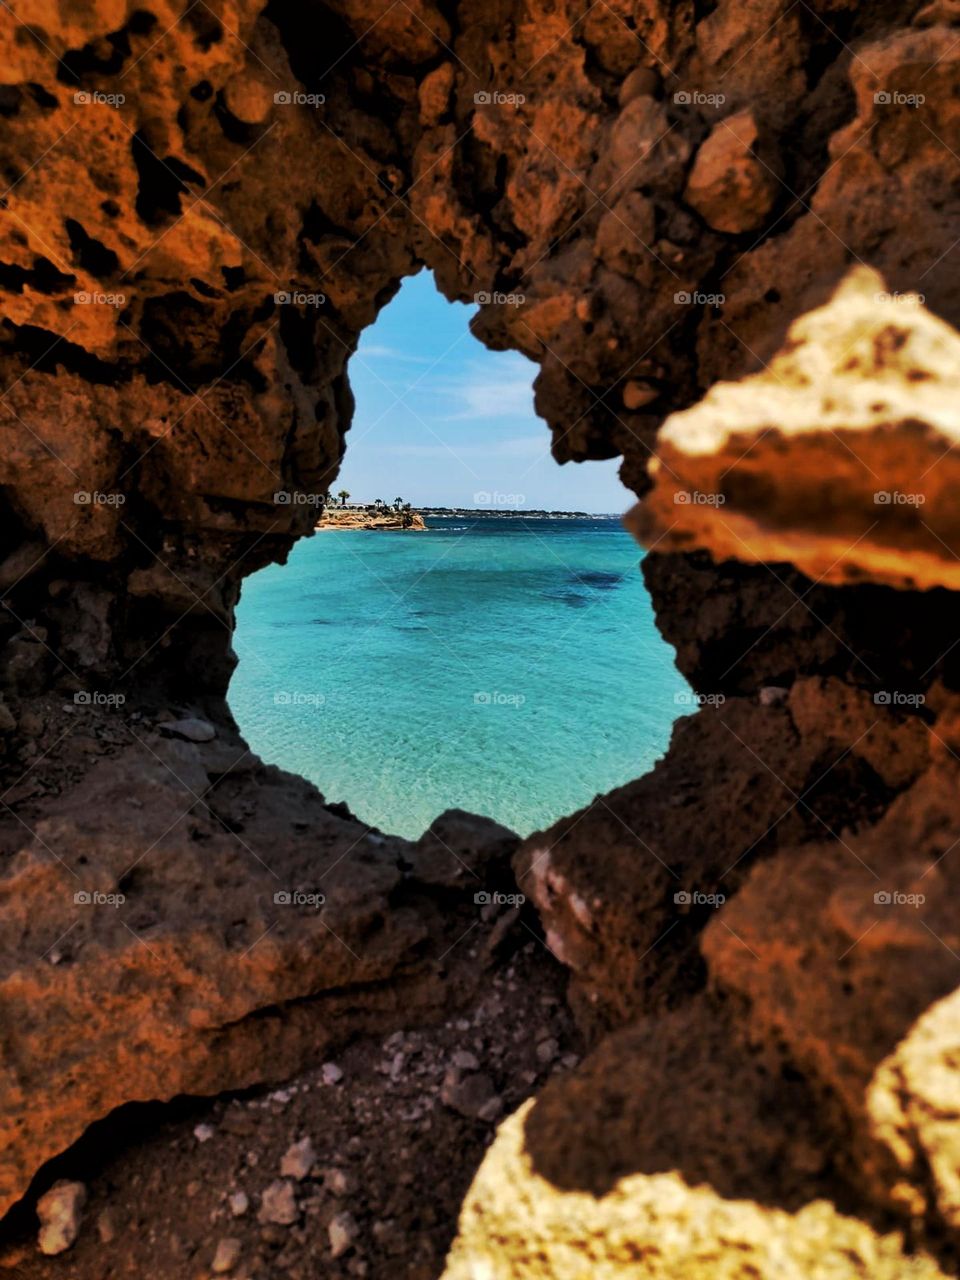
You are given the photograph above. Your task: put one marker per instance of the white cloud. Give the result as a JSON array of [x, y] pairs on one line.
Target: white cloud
[[481, 392], [377, 351]]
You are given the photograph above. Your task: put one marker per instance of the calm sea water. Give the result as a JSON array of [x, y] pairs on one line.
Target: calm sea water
[[511, 668]]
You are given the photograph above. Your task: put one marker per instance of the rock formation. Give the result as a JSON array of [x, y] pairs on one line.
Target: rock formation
[[203, 210]]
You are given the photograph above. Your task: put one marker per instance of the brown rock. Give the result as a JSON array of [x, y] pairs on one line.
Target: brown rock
[[730, 186]]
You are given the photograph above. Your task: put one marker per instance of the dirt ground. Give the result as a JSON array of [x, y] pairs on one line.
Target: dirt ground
[[396, 1128]]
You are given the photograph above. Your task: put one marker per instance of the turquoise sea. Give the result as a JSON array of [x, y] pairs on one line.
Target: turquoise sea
[[506, 666]]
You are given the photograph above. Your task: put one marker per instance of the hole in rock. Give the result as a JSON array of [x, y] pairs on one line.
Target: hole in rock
[[505, 659]]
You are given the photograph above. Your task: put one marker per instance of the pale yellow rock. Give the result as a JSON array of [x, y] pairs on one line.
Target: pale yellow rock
[[515, 1225], [840, 456]]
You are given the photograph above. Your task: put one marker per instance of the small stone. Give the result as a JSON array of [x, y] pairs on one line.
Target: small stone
[[239, 1203], [636, 394], [729, 186], [59, 1211], [278, 1204], [31, 724], [472, 1096], [203, 1132], [547, 1050], [191, 730], [331, 1073], [298, 1160], [491, 1110], [227, 1255], [465, 1060], [342, 1232], [773, 695], [106, 1226], [641, 82], [569, 1061], [280, 1096], [335, 1181]]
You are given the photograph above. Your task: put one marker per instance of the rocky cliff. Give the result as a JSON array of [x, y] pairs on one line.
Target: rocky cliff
[[203, 209]]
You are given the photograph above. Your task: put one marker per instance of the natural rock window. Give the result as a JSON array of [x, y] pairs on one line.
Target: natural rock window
[[505, 660]]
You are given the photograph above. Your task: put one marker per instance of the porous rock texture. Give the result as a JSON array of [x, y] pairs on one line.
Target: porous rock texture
[[203, 210]]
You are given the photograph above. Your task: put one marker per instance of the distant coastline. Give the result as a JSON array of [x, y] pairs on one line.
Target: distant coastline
[[357, 515], [516, 513]]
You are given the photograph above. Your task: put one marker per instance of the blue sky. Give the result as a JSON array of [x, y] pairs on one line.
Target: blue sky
[[440, 419]]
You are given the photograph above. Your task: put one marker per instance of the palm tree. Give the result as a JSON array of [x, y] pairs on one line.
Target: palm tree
[[397, 503], [378, 503], [343, 495]]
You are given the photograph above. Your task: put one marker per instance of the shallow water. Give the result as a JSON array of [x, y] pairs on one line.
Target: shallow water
[[508, 667]]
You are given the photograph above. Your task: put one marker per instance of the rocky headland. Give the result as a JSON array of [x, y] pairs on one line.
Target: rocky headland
[[342, 518]]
